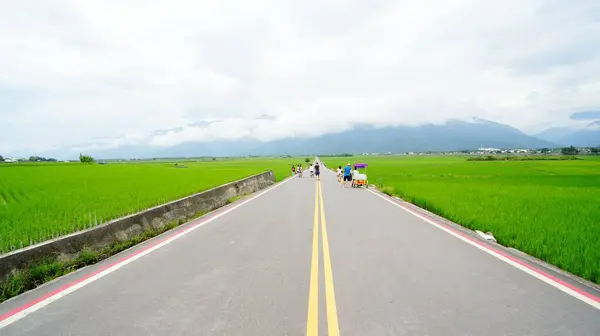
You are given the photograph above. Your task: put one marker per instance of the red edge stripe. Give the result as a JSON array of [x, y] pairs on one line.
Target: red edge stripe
[[508, 256], [69, 285]]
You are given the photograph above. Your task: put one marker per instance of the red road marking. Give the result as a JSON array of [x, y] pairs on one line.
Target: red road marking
[[502, 253]]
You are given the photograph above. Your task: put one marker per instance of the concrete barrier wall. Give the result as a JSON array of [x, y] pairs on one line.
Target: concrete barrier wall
[[125, 228]]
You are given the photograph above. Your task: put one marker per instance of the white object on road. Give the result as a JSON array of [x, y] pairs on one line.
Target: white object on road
[[487, 236]]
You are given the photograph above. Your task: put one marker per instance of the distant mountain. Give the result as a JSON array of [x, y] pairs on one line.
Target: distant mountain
[[555, 134], [452, 135], [587, 135]]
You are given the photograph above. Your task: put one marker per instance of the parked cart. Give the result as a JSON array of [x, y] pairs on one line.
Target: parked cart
[[360, 179]]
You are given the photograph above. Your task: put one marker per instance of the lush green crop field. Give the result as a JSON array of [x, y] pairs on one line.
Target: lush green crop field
[[41, 201], [548, 209]]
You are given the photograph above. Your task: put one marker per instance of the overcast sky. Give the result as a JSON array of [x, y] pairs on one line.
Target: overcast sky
[[111, 72]]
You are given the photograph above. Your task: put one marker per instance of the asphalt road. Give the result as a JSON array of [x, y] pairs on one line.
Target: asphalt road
[[300, 258]]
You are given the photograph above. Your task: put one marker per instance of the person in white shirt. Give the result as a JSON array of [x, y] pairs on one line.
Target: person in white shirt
[[339, 174]]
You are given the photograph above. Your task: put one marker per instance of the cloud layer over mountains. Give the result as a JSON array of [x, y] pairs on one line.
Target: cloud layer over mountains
[[96, 74]]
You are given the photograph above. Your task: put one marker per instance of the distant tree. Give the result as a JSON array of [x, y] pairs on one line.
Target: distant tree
[[1, 158], [569, 151], [85, 158], [35, 158], [545, 150], [594, 150], [307, 160], [214, 159]]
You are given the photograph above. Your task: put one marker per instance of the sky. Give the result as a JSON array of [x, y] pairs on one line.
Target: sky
[[102, 74]]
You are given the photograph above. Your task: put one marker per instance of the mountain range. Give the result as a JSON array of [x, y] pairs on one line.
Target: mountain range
[[581, 135], [452, 135]]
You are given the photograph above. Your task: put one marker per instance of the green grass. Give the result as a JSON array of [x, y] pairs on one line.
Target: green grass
[[548, 209], [39, 201]]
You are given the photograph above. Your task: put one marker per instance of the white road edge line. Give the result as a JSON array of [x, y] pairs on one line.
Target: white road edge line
[[549, 281], [115, 267]]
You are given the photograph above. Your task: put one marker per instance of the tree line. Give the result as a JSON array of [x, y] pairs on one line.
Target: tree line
[[35, 158], [574, 151], [32, 158]]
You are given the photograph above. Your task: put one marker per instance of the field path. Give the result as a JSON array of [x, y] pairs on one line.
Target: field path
[[306, 257]]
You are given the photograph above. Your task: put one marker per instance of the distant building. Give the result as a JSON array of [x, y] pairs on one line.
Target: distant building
[[518, 151], [488, 149]]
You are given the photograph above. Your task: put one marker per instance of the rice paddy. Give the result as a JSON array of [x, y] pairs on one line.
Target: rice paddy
[[43, 201]]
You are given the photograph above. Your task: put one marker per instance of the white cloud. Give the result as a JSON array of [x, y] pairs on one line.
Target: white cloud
[[73, 71]]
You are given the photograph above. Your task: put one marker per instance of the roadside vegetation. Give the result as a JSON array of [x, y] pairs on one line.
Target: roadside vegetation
[[547, 208], [44, 200]]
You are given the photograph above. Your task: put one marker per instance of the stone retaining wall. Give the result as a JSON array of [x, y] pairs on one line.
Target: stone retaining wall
[[125, 228]]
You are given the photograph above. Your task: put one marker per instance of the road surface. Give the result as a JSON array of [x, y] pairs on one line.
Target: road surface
[[307, 257]]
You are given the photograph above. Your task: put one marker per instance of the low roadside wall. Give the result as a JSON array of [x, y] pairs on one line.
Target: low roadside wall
[[122, 229]]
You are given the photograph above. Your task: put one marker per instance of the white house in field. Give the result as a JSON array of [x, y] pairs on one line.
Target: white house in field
[[9, 160]]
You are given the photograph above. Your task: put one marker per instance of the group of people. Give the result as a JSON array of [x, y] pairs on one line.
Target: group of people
[[314, 169], [345, 175], [297, 170]]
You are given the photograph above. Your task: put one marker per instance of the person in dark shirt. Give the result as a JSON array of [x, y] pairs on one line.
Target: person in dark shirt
[[318, 171]]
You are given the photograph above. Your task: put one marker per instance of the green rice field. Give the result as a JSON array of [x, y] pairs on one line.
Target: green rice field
[[42, 201], [548, 209]]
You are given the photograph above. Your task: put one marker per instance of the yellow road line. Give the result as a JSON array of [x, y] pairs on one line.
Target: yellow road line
[[312, 323], [332, 318]]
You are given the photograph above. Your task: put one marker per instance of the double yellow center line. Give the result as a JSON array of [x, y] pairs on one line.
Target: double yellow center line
[[312, 323]]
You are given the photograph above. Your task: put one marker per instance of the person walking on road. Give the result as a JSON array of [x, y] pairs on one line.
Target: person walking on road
[[347, 175], [339, 174], [317, 171]]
